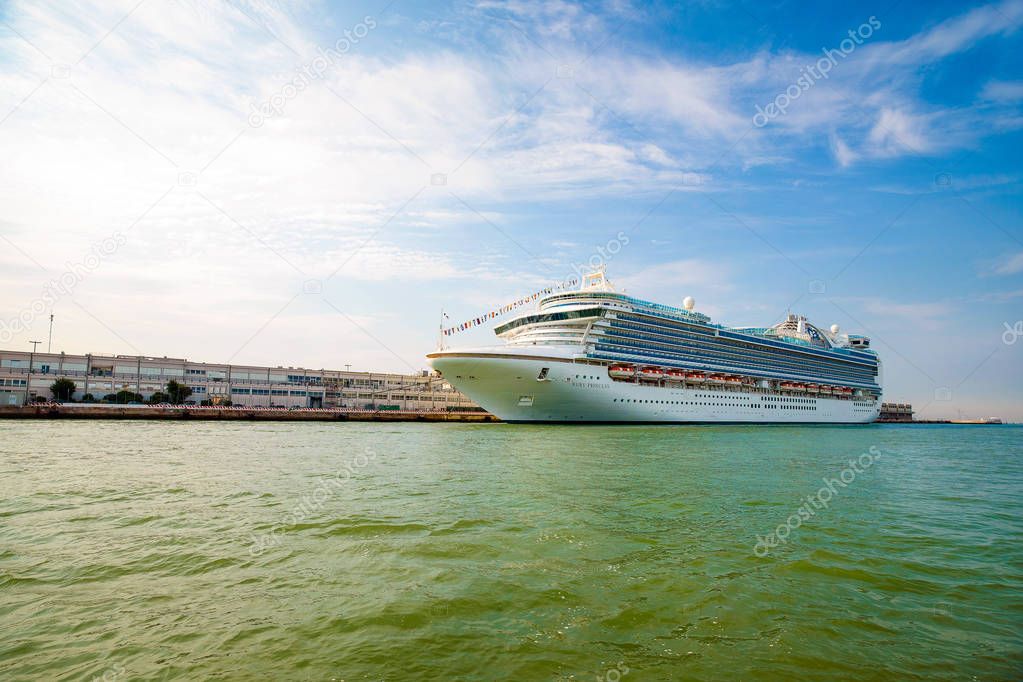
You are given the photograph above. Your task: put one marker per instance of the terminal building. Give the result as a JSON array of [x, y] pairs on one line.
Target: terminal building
[[27, 376], [896, 412]]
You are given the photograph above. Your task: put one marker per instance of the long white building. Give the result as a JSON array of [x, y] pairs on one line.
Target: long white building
[[24, 376]]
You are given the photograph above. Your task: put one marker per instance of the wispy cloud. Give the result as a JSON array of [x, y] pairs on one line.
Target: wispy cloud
[[1011, 265], [1003, 91]]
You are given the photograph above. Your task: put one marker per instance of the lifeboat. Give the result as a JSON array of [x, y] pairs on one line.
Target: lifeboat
[[651, 373], [846, 390], [621, 371], [826, 390], [675, 374], [812, 388], [716, 379], [788, 386], [697, 377], [735, 380]]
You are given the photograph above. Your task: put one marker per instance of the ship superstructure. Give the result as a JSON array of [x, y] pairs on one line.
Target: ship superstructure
[[597, 355]]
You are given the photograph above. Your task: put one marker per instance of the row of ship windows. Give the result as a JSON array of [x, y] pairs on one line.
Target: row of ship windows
[[727, 334], [767, 359], [723, 397], [796, 366], [725, 346], [675, 402], [769, 406], [638, 350], [560, 334]]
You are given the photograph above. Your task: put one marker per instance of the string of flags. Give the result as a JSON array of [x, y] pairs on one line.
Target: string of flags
[[497, 312]]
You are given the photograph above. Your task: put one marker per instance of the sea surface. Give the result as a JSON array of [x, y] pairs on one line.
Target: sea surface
[[363, 551]]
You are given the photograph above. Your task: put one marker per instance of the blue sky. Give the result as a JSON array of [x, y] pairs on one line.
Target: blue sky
[[268, 201]]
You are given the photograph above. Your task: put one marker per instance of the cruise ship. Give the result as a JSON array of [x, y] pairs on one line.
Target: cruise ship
[[597, 355]]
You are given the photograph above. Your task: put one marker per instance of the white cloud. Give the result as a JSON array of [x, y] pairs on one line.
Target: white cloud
[[1003, 91], [897, 131], [1010, 266], [673, 281], [930, 316], [655, 154], [841, 151], [954, 35]]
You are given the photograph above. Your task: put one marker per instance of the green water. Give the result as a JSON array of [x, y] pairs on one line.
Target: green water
[[167, 551]]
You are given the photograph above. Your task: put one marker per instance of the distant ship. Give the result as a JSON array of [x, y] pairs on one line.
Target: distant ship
[[596, 355]]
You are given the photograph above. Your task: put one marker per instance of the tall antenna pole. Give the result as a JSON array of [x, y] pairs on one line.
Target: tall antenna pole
[[49, 341]]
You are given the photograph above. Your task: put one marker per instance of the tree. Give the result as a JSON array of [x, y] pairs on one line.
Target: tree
[[125, 396], [177, 392], [88, 398], [159, 397], [62, 389]]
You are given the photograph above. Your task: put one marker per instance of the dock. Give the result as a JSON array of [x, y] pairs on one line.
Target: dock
[[192, 412]]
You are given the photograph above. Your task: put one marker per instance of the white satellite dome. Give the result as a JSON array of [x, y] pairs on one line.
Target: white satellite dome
[[834, 329], [688, 303]]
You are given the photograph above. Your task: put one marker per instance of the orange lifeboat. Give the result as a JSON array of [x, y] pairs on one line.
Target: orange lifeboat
[[621, 371], [675, 374], [716, 379], [651, 373], [812, 388], [734, 380], [698, 377]]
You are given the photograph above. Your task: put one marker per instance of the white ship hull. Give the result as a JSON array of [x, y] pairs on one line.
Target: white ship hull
[[505, 383]]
